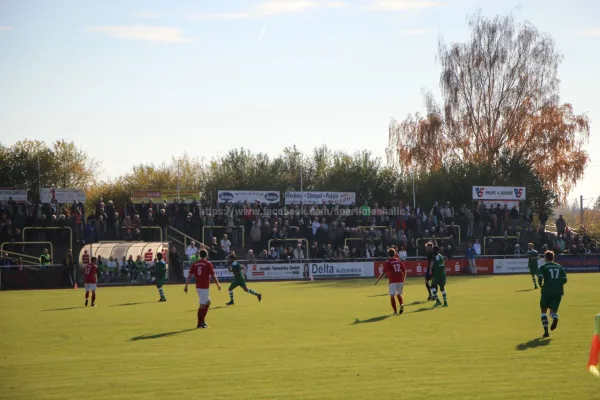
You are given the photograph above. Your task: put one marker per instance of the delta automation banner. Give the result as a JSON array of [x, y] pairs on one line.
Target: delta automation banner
[[499, 193]]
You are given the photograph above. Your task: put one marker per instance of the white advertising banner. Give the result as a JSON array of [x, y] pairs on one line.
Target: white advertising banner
[[512, 265], [63, 196], [342, 270], [15, 194], [221, 273], [342, 198], [499, 193], [277, 271], [250, 196]]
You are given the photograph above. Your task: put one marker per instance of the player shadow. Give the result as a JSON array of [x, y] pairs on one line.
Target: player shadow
[[416, 303], [160, 335], [131, 304], [532, 344], [374, 319], [379, 295], [524, 290], [212, 308], [423, 309], [62, 309]]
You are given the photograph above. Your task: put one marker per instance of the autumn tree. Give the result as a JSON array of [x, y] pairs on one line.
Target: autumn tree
[[500, 95]]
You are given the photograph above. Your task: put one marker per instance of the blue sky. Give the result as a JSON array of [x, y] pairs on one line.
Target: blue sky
[[142, 81]]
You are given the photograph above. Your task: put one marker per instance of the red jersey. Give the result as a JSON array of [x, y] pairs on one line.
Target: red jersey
[[395, 270], [202, 271], [90, 271]]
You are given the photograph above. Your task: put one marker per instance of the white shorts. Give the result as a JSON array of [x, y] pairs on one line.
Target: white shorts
[[396, 288], [90, 287], [203, 296]]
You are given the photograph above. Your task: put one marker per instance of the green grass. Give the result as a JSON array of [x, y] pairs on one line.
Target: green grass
[[308, 340]]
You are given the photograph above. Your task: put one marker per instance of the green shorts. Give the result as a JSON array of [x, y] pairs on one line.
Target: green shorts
[[551, 301], [159, 282], [533, 270], [238, 282], [438, 281]]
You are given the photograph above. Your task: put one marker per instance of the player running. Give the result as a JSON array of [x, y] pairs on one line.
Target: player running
[[429, 251], [438, 271], [202, 270], [160, 276], [396, 272], [90, 279], [551, 277], [533, 256], [238, 279]]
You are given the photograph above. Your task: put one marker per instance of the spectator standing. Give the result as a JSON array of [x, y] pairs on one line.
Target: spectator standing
[[175, 262], [561, 225], [191, 250], [225, 245], [45, 258], [298, 254]]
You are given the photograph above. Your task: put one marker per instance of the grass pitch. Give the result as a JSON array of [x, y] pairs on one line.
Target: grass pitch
[[306, 340]]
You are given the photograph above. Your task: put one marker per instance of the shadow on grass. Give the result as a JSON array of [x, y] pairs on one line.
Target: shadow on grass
[[131, 304], [63, 309], [374, 319], [160, 335], [416, 303], [211, 309], [379, 295], [423, 309], [532, 344], [524, 290]]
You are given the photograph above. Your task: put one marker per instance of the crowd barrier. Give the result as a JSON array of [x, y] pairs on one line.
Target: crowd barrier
[[319, 269]]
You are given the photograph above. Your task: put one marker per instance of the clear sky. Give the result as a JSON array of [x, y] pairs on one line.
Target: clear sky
[[142, 81]]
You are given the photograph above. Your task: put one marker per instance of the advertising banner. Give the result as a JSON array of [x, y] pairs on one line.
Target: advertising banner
[[16, 194], [578, 264], [453, 267], [159, 195], [62, 196], [342, 198], [250, 196], [221, 271], [512, 265], [341, 270], [277, 271], [498, 193]]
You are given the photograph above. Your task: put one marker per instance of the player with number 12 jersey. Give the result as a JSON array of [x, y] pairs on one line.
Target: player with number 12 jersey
[[396, 272]]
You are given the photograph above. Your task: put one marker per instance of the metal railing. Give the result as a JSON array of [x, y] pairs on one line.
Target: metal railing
[[485, 239], [226, 227], [185, 237], [160, 230], [20, 255], [26, 255], [50, 228], [291, 240], [457, 227]]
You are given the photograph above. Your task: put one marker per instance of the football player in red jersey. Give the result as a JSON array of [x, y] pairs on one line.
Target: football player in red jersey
[[202, 270], [90, 279], [396, 272]]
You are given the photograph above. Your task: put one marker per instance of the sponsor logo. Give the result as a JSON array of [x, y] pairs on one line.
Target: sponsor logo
[[479, 191], [271, 196], [226, 196], [518, 192]]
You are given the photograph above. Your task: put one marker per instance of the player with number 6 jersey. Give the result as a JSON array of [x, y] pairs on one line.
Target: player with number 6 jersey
[[396, 272], [202, 270], [90, 278]]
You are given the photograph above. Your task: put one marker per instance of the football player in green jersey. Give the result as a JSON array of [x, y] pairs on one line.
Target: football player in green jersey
[[438, 271], [533, 263], [160, 276], [552, 278], [238, 279]]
